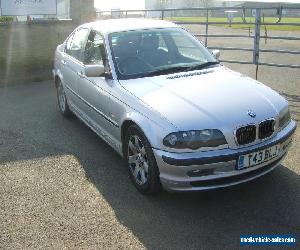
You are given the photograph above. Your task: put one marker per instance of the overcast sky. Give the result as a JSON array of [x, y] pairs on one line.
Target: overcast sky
[[266, 1], [120, 4], [140, 4]]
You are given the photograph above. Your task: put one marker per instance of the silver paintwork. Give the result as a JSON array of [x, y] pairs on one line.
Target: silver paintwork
[[162, 104], [216, 53], [251, 113], [93, 70], [175, 178]]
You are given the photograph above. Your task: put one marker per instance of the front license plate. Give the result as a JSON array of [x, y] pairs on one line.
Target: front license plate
[[255, 158]]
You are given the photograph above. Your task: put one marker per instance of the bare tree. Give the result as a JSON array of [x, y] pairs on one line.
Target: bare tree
[[190, 3], [161, 4], [206, 3], [197, 3]]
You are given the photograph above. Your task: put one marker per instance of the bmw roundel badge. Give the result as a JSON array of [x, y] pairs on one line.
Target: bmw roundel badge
[[251, 113]]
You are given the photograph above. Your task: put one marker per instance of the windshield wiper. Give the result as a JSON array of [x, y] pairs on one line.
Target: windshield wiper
[[201, 66], [165, 71], [170, 70]]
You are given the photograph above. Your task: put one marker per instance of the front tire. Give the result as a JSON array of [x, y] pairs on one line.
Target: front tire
[[141, 162], [62, 101]]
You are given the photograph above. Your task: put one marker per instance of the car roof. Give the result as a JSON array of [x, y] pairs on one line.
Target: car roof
[[125, 24]]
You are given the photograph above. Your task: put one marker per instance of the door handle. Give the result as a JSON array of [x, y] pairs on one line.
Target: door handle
[[80, 74], [64, 62]]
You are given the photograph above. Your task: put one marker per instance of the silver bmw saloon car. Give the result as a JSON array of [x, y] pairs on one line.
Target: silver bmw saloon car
[[181, 120]]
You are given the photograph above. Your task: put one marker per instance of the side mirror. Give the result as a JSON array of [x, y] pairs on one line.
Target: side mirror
[[94, 70], [216, 53]]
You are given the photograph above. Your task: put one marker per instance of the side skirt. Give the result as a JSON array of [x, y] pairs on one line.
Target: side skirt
[[116, 145]]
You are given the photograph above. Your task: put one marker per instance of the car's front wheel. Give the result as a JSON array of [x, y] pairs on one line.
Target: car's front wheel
[[141, 162], [62, 100]]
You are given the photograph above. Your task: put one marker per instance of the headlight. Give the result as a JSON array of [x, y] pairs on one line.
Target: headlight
[[284, 119], [195, 139]]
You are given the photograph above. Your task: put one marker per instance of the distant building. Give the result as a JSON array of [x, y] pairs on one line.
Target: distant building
[[177, 4], [272, 12], [63, 12], [63, 9], [250, 6], [167, 4], [170, 4]]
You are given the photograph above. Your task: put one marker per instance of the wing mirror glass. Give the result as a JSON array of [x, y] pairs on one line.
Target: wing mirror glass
[[94, 70], [216, 53]]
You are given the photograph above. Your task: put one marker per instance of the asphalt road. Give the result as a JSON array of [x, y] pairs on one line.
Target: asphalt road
[[63, 187]]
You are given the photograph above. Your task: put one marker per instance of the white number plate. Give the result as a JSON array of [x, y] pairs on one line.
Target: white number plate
[[255, 158]]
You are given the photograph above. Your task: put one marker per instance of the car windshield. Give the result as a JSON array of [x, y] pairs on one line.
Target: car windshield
[[143, 53]]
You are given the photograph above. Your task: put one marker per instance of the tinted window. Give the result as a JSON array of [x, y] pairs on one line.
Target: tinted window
[[143, 53], [94, 52], [76, 43], [187, 47]]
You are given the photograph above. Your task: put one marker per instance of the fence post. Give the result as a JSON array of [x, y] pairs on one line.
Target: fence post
[[162, 14], [256, 40], [266, 34], [206, 28]]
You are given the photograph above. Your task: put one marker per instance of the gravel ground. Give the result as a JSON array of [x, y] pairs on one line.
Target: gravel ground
[[63, 187]]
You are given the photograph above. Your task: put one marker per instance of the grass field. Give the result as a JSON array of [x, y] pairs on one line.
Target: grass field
[[244, 26]]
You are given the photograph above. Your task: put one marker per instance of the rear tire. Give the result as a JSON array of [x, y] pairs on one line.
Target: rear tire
[[62, 101], [141, 162]]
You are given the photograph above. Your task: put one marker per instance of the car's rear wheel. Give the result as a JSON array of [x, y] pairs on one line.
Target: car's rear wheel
[[62, 100], [141, 162]]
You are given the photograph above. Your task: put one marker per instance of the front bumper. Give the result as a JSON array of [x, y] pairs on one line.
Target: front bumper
[[215, 169]]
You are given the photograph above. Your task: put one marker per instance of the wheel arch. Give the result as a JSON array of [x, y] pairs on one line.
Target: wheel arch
[[58, 77], [124, 128], [56, 80], [153, 184], [147, 127]]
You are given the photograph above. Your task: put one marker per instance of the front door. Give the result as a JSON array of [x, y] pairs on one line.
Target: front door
[[95, 91]]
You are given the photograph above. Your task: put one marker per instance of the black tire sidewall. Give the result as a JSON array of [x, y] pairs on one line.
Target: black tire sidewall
[[67, 111]]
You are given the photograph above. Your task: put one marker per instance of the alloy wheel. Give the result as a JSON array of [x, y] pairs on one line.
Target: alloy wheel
[[137, 160], [61, 98]]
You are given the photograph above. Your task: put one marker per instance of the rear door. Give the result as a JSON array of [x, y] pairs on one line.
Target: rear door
[[71, 64]]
